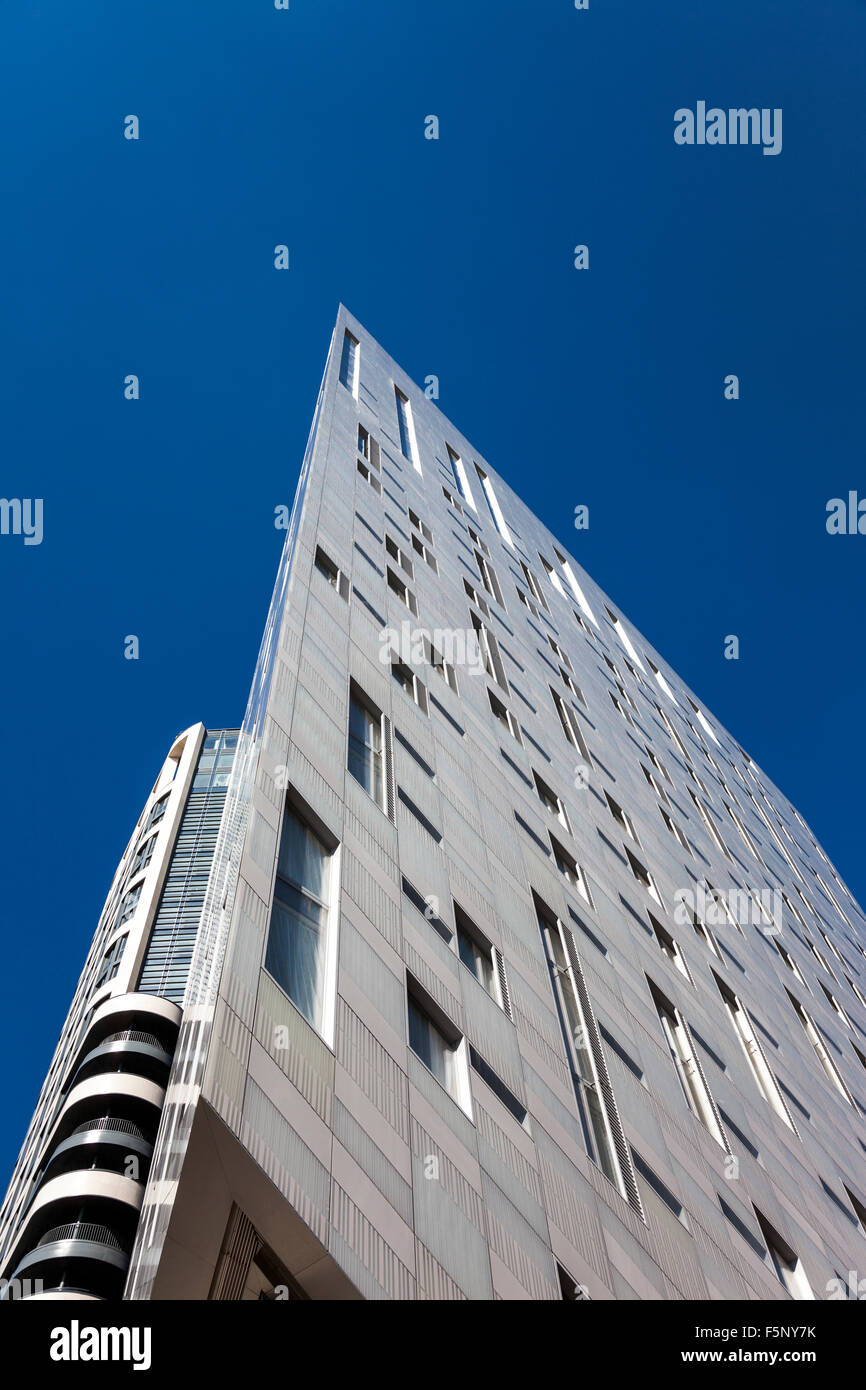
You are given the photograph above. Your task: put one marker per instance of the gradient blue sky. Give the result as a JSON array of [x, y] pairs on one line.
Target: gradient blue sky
[[260, 127]]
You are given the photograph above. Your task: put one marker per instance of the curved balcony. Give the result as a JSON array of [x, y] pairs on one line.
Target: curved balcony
[[78, 1226], [134, 1013], [128, 1050], [105, 1141], [78, 1259]]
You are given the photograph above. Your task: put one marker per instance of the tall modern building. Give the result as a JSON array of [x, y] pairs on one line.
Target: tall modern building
[[479, 962]]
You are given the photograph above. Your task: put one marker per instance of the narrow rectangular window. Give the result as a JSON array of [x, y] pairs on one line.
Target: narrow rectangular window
[[603, 1136], [493, 506], [349, 363], [622, 818], [438, 1044], [408, 442], [488, 578], [301, 953], [812, 1033], [754, 1054], [570, 870], [669, 947], [554, 803], [551, 574], [575, 588], [366, 758], [688, 1068], [533, 586], [787, 1265], [396, 585], [570, 726], [504, 715], [489, 651], [477, 954], [624, 638], [643, 875], [458, 468]]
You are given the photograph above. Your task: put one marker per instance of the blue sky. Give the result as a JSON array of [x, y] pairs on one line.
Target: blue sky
[[605, 387]]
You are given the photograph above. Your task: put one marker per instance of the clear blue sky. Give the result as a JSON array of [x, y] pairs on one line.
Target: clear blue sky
[[604, 387]]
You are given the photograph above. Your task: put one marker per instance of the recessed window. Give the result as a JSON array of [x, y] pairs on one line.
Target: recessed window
[[426, 553], [688, 1067], [474, 536], [786, 1264], [335, 577], [675, 830], [754, 1053], [504, 715], [551, 574], [643, 875], [477, 954], [399, 555], [527, 602], [789, 960], [554, 803], [366, 748], [452, 501], [349, 356], [534, 586], [664, 685], [369, 477], [624, 638], [421, 526], [408, 681], [570, 869], [603, 1136], [489, 651], [835, 1005], [478, 599], [815, 1038], [406, 425], [575, 589], [301, 951], [442, 667], [438, 1044], [489, 578], [706, 935], [621, 817], [493, 506], [620, 708], [458, 468], [658, 764], [669, 947], [570, 726], [396, 585]]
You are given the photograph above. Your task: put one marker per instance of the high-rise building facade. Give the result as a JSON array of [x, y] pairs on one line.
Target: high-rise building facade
[[480, 962]]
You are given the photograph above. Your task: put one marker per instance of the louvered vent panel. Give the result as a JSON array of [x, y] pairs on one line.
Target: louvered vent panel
[[172, 938]]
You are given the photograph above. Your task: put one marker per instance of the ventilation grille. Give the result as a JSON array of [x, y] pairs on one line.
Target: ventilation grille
[[172, 938]]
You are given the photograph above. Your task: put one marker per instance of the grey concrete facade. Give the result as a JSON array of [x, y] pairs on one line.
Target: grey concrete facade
[[564, 784]]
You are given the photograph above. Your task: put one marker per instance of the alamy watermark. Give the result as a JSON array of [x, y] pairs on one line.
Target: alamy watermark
[[456, 646], [736, 126], [759, 907], [22, 516]]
